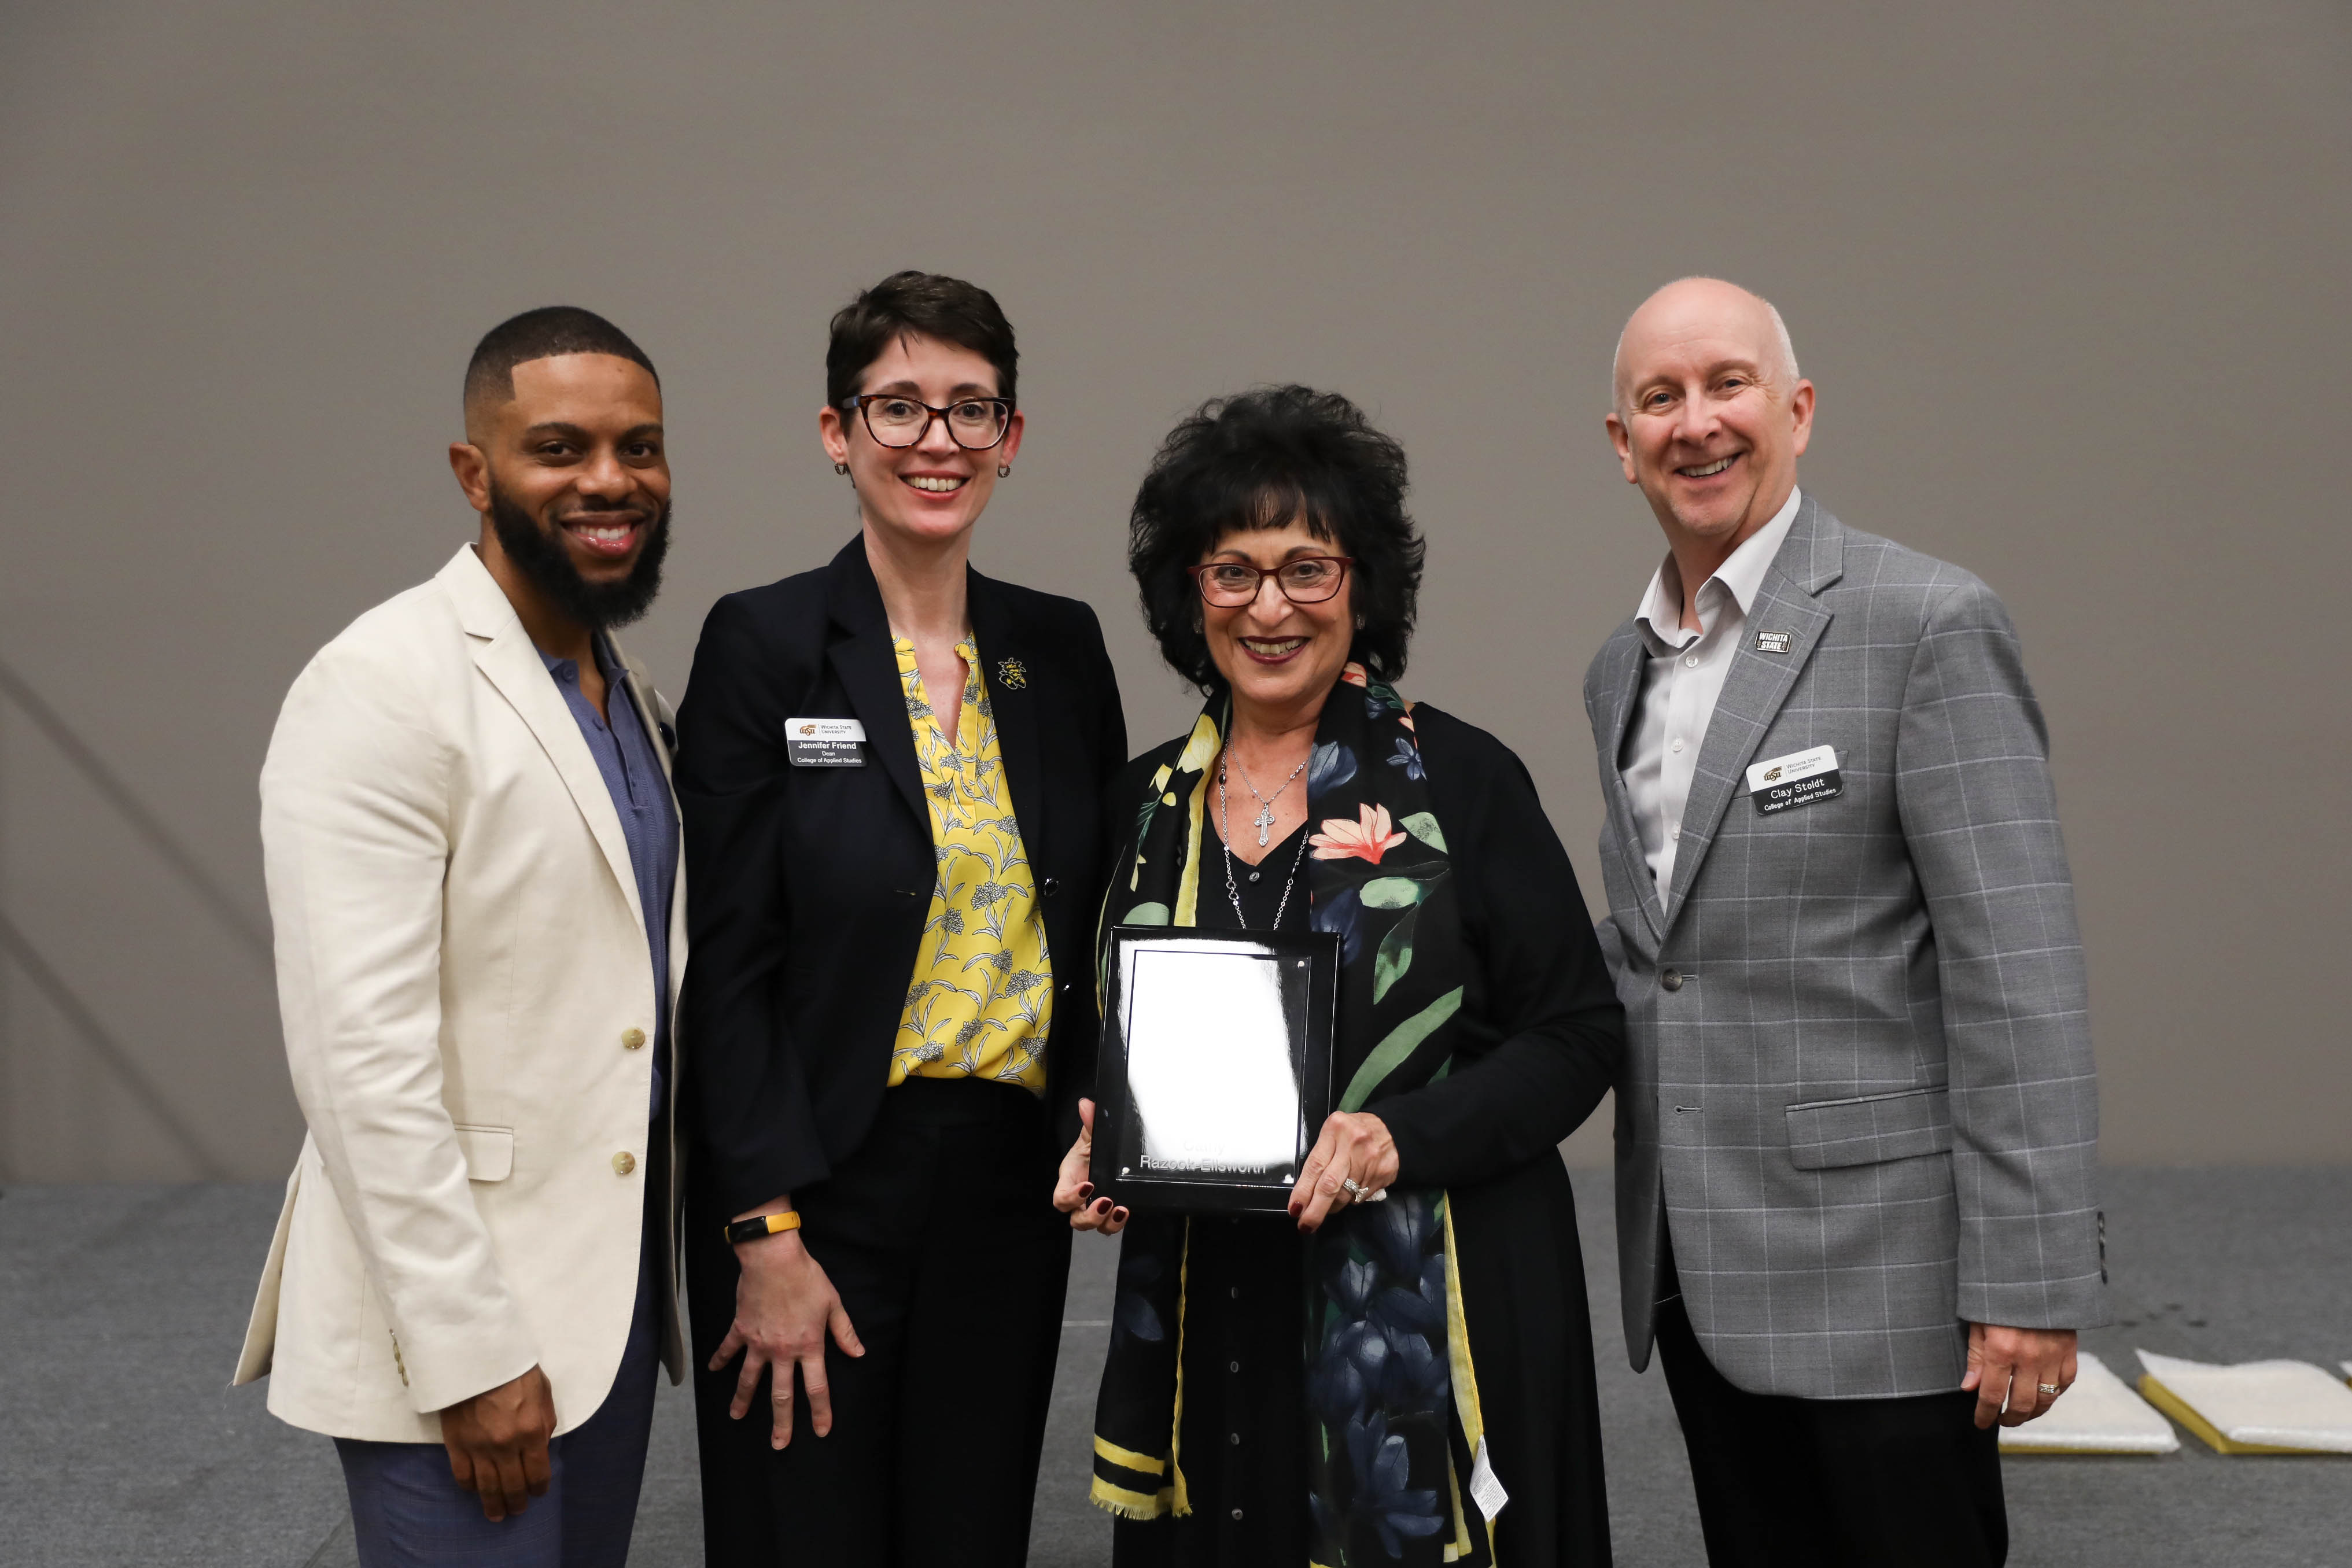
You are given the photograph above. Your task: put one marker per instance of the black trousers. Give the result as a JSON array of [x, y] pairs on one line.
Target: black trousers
[[941, 1236], [1834, 1483]]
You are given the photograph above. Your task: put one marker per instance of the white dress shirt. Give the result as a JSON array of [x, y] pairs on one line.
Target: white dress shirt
[[1681, 680]]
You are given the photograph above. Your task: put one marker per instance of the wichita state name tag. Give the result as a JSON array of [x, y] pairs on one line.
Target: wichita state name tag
[[1798, 779], [824, 742]]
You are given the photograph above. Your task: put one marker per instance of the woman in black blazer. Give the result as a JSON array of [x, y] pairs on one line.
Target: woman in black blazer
[[892, 771]]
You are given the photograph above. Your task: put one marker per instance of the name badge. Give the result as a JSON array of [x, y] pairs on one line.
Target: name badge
[[824, 742], [1798, 779]]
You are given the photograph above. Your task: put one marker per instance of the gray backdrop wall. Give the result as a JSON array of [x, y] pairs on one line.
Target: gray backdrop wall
[[2070, 281]]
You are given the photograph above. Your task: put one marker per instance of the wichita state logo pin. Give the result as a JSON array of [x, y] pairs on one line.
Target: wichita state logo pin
[[1011, 675]]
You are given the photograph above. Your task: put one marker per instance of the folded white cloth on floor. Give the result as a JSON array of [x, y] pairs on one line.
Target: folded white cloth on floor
[[2289, 1405], [2098, 1415]]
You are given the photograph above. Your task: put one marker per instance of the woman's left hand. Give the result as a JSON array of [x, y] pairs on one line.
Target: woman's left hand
[[1355, 1145]]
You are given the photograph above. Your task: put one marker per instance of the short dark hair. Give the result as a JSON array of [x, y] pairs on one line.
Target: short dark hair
[[925, 303], [541, 334], [1261, 459]]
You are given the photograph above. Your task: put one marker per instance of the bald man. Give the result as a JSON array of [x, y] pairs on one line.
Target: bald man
[[473, 861], [1857, 1123]]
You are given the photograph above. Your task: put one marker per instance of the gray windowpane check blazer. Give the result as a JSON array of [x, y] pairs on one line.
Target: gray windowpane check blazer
[[1858, 1071]]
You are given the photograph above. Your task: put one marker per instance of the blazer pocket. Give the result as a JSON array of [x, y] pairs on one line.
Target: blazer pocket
[[1869, 1128], [490, 1152]]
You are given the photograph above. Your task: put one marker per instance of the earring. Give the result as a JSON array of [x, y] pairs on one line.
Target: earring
[[841, 467], [1004, 470]]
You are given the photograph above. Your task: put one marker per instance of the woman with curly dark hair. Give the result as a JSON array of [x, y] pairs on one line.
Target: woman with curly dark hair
[[1401, 1371]]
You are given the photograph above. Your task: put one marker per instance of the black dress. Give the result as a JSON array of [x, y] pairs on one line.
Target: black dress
[[1540, 1036]]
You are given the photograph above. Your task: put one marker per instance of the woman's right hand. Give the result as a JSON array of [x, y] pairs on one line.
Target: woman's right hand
[[1074, 1188], [784, 1307]]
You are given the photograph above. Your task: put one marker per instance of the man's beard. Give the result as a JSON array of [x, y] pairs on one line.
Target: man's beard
[[546, 560]]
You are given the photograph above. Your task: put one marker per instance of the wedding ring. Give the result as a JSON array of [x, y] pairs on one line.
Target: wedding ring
[[2049, 1388], [1352, 1187]]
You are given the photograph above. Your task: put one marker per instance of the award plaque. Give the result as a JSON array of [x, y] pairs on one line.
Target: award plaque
[[1216, 1073]]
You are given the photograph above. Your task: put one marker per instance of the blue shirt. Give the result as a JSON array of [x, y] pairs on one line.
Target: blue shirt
[[633, 776]]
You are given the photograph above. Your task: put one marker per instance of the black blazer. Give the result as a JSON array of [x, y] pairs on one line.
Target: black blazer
[[808, 888]]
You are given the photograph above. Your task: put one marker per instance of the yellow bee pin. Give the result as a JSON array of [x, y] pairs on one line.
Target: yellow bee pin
[[1011, 675]]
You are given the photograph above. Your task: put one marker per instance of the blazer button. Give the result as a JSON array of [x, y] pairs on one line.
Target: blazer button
[[1052, 885], [623, 1163], [1671, 980], [631, 1038]]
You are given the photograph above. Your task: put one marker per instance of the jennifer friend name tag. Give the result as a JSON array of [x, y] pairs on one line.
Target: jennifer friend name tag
[[823, 742], [1798, 779]]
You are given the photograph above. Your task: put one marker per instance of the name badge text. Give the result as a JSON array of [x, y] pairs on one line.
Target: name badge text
[[824, 742], [1800, 779]]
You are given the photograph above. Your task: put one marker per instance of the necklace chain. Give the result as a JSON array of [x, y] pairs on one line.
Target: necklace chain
[[1225, 843], [1264, 821]]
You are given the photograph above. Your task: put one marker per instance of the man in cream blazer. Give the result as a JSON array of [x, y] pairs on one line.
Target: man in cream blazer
[[472, 858]]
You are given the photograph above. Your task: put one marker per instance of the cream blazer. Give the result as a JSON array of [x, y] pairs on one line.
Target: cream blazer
[[468, 1006]]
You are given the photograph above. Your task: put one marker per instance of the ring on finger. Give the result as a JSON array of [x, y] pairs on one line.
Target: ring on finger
[[2052, 1389], [1352, 1187]]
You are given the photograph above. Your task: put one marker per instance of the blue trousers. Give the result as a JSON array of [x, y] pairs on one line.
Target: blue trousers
[[408, 1512]]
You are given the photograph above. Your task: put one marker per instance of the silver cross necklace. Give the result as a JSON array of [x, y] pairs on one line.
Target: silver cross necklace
[[1264, 821], [1225, 842]]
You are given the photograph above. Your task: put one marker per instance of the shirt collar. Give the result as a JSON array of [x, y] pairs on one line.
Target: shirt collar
[[1660, 614], [568, 670]]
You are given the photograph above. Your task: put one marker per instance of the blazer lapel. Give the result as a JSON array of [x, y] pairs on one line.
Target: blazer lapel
[[1009, 675], [1629, 654], [663, 734], [503, 651], [867, 667], [1758, 683], [648, 704]]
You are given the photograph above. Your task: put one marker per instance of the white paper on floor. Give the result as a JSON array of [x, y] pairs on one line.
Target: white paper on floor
[[2267, 1403], [2098, 1415]]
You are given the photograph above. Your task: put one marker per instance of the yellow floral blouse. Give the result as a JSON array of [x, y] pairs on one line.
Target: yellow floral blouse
[[981, 1000]]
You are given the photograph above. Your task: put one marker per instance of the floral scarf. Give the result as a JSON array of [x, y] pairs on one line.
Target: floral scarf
[[1393, 1428]]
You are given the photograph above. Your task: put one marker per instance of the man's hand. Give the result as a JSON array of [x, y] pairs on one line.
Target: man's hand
[[2010, 1366], [1355, 1145], [1074, 1187], [783, 1307], [497, 1443]]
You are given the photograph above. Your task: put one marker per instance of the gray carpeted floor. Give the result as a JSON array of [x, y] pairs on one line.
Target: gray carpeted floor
[[123, 1306]]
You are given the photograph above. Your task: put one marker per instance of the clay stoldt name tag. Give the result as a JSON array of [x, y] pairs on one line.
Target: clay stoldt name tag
[[823, 742], [1798, 779]]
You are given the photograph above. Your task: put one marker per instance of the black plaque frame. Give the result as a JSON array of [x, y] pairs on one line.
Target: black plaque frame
[[1308, 979]]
